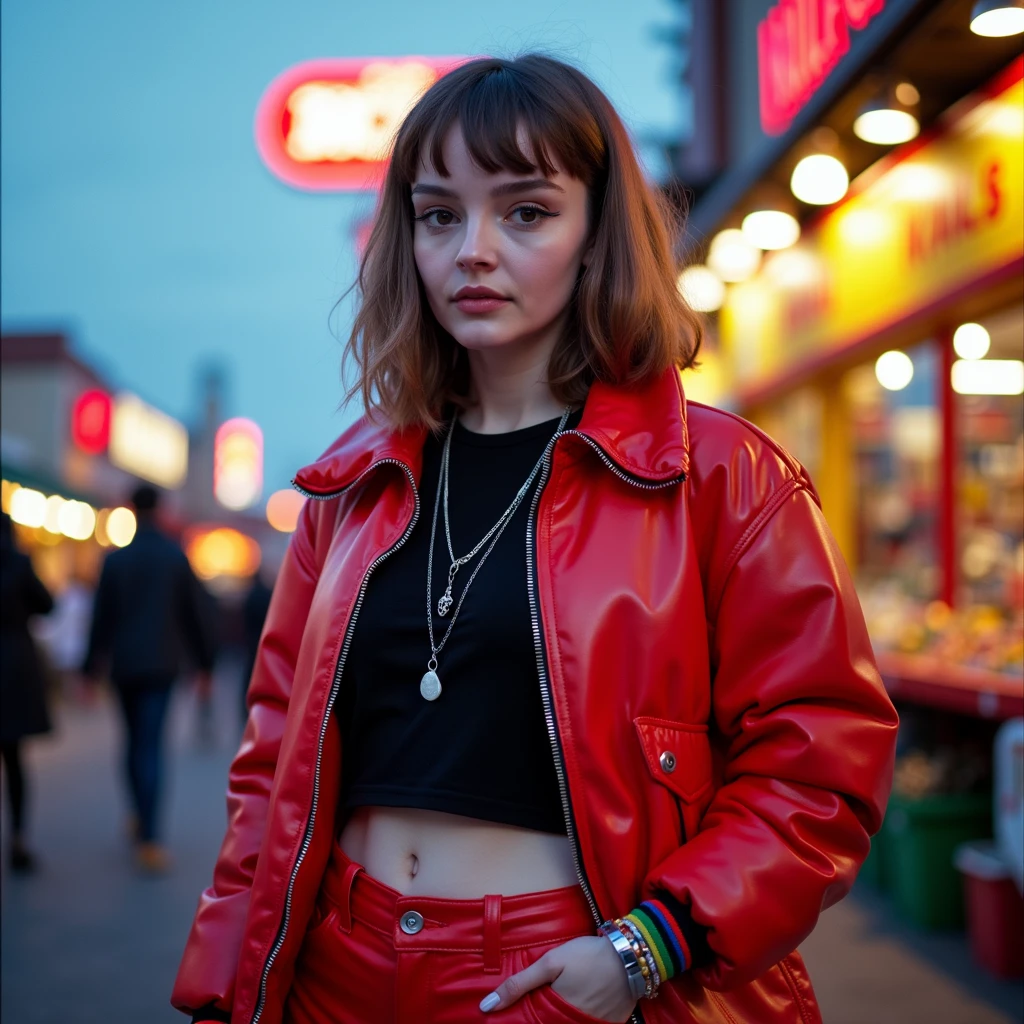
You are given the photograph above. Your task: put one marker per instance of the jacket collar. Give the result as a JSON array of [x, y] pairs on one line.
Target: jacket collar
[[642, 430]]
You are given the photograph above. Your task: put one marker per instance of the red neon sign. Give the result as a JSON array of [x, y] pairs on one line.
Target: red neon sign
[[326, 125], [798, 44], [90, 421]]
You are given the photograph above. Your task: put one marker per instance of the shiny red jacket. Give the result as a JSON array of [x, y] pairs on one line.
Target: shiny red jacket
[[687, 597]]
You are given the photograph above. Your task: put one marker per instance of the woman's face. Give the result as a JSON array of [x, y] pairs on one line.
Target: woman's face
[[498, 254]]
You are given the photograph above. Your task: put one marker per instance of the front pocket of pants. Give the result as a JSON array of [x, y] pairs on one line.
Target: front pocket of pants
[[549, 1007]]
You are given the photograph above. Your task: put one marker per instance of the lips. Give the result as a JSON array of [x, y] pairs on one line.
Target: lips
[[476, 291], [476, 299]]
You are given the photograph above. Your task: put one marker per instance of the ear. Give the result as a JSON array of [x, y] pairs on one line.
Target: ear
[[588, 254]]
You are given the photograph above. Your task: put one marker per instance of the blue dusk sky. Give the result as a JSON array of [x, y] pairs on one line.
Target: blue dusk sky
[[138, 216]]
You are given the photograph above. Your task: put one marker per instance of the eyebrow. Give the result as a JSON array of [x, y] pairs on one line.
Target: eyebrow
[[508, 189]]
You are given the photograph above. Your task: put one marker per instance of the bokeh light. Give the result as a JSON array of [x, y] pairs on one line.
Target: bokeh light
[[120, 526], [771, 229], [971, 341], [283, 508], [894, 370], [702, 289]]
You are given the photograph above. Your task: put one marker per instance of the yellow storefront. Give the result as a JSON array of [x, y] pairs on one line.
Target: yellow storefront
[[846, 347]]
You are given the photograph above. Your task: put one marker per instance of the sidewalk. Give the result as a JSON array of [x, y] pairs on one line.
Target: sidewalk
[[868, 966], [89, 941]]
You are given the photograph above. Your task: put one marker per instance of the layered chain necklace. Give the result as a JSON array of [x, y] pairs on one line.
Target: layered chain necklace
[[430, 684]]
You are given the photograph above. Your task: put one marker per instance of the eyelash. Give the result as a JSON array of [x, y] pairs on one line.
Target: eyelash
[[541, 213]]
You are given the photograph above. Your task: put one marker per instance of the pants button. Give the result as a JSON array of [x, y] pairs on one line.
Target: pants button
[[411, 922]]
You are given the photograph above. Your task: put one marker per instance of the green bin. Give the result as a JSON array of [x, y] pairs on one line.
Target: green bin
[[875, 869], [920, 838]]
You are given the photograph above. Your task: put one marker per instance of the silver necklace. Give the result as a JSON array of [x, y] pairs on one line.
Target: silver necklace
[[430, 684]]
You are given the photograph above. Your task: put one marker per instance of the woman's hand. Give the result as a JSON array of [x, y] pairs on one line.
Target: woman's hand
[[586, 972]]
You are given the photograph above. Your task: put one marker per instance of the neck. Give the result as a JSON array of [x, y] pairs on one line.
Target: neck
[[509, 391]]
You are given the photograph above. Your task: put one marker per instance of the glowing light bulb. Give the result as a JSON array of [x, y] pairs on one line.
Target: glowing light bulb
[[702, 289], [28, 507], [886, 127], [732, 257], [771, 229], [997, 18], [819, 179], [894, 370], [971, 341], [120, 527]]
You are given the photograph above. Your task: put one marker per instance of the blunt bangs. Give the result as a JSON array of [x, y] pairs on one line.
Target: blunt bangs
[[498, 104]]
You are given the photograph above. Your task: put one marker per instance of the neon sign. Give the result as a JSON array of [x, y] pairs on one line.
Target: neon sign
[[91, 416], [238, 464], [799, 43], [327, 125]]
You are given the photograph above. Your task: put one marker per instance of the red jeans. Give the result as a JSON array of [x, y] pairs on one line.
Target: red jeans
[[373, 956]]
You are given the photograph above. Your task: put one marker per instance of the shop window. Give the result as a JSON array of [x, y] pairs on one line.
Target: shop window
[[990, 510], [896, 442]]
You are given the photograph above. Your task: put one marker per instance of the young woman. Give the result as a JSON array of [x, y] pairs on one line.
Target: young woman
[[564, 709]]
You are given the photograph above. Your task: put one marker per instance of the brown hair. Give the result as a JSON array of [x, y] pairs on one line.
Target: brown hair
[[628, 321]]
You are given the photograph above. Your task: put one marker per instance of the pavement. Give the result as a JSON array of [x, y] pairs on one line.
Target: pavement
[[88, 939]]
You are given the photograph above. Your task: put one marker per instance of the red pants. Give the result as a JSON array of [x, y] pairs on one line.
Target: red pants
[[373, 956]]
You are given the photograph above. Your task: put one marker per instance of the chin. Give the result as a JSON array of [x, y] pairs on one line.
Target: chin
[[483, 336]]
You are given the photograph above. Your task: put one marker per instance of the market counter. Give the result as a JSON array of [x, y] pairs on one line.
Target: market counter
[[924, 679]]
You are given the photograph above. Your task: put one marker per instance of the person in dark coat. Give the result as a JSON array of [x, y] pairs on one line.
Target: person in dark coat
[[148, 612], [22, 688]]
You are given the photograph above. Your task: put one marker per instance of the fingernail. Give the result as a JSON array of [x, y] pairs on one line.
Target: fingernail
[[490, 1002]]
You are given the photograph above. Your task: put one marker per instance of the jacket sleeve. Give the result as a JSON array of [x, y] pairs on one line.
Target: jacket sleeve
[[806, 737], [206, 976]]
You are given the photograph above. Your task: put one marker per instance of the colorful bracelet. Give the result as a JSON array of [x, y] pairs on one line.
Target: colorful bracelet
[[644, 951], [644, 956], [664, 938]]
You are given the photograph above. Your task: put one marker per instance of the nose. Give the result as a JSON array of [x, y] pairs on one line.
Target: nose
[[477, 250]]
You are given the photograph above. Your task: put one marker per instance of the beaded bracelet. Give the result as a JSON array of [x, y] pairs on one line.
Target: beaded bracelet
[[643, 954]]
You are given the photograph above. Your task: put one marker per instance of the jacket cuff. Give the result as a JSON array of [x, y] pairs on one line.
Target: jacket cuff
[[209, 1012], [675, 940], [696, 935]]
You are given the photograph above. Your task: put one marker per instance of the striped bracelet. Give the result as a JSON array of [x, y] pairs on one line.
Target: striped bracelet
[[661, 933]]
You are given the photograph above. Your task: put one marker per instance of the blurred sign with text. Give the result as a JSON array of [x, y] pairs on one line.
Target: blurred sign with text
[[327, 125], [147, 442], [799, 43]]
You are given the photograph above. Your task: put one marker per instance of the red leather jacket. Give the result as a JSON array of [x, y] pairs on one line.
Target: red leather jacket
[[687, 597]]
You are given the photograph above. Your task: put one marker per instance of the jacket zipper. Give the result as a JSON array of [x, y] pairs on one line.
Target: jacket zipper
[[545, 686], [335, 686]]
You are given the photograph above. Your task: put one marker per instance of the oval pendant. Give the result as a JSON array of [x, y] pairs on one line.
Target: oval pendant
[[430, 686]]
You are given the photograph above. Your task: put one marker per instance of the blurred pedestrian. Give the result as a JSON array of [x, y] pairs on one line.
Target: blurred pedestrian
[[23, 711], [633, 741], [64, 633], [254, 615], [148, 608]]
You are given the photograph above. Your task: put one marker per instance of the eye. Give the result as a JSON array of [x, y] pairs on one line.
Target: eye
[[528, 216], [437, 218]]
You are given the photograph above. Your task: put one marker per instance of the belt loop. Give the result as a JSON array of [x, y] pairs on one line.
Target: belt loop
[[345, 897], [492, 934]]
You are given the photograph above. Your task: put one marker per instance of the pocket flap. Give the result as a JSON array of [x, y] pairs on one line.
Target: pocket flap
[[678, 755]]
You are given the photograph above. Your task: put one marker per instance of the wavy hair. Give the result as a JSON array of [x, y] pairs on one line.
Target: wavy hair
[[627, 323]]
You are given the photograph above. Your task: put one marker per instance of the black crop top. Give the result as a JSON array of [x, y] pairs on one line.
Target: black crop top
[[482, 749]]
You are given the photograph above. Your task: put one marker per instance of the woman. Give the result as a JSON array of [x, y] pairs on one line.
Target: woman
[[631, 740], [23, 711]]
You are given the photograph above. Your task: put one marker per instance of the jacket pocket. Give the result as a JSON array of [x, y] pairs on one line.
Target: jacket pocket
[[678, 755]]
